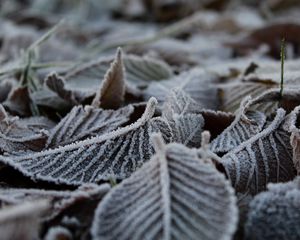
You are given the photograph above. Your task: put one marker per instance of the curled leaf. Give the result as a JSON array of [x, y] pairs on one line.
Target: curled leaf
[[245, 125], [28, 134], [81, 83], [58, 85], [114, 155], [112, 90], [265, 157], [84, 122]]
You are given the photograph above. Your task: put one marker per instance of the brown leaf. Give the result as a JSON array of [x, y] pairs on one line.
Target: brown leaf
[[112, 90]]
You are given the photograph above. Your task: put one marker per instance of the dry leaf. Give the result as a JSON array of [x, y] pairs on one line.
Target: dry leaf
[[114, 155], [175, 195], [265, 157], [112, 90]]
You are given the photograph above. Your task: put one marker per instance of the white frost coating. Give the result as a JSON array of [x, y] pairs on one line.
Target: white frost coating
[[160, 149], [81, 123], [270, 149], [291, 126], [116, 154], [142, 70], [182, 113], [187, 129], [180, 103], [233, 93], [175, 195], [245, 125], [20, 135]]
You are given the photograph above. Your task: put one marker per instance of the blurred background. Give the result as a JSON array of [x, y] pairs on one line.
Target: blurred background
[[198, 31]]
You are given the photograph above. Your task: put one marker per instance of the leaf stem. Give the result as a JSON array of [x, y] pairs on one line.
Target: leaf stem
[[282, 58]]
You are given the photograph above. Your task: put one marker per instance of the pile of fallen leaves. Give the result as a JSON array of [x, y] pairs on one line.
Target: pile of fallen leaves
[[149, 119]]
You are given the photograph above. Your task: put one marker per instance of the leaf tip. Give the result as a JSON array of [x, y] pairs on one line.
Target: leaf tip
[[158, 142]]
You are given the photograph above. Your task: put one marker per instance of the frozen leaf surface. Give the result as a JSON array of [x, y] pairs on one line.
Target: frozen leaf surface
[[232, 94], [292, 125], [181, 112], [175, 195], [28, 134], [275, 214], [187, 129], [142, 70], [83, 122], [265, 157], [245, 125], [113, 155], [179, 102]]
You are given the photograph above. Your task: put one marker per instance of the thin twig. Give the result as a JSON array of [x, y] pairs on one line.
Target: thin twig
[[282, 58]]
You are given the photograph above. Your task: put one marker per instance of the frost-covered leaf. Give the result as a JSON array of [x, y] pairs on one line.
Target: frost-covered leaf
[[80, 83], [187, 129], [179, 102], [22, 221], [175, 195], [58, 85], [292, 126], [181, 112], [197, 83], [114, 155], [142, 70], [83, 122], [233, 93], [265, 77], [47, 98], [28, 134], [265, 157], [245, 125], [288, 99], [112, 90], [275, 214]]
